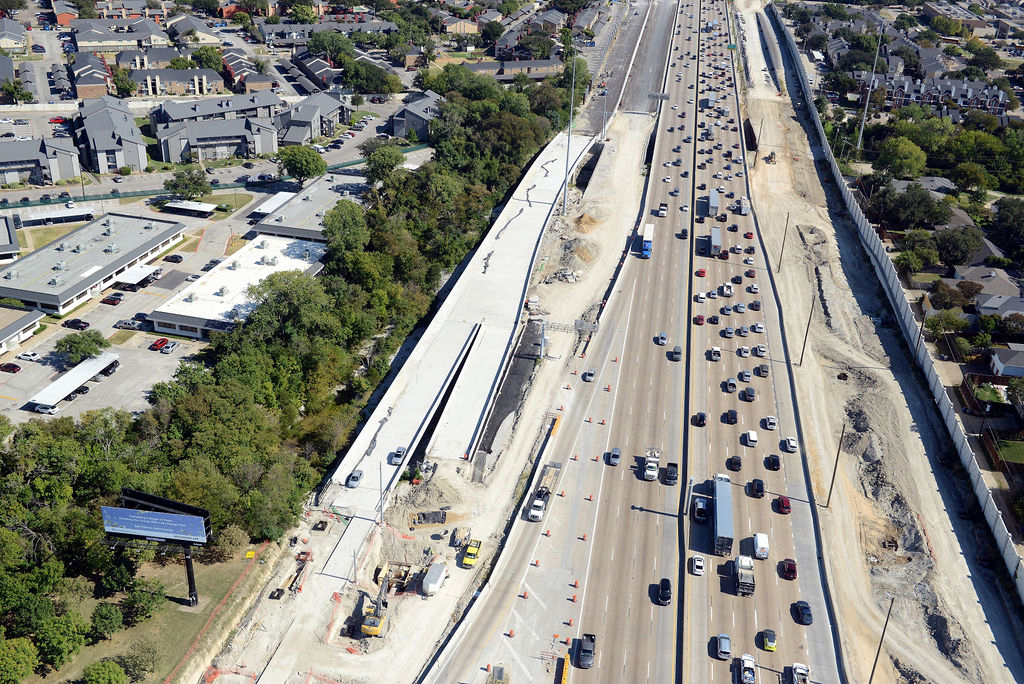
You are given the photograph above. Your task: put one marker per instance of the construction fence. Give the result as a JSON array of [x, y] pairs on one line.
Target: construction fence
[[904, 314]]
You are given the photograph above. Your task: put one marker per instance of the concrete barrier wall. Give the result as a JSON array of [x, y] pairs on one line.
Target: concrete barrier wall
[[904, 314]]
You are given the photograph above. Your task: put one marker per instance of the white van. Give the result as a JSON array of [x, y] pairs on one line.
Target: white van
[[760, 545], [751, 438]]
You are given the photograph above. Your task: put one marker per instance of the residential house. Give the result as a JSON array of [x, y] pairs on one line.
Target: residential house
[[185, 29], [534, 68], [64, 12], [1001, 305], [507, 47], [261, 105], [115, 35], [548, 21], [586, 19], [241, 72], [133, 9], [109, 138], [38, 161], [162, 82], [1008, 362], [416, 116], [91, 75], [937, 186], [317, 70], [297, 35], [995, 281], [415, 56], [485, 68], [459, 26], [219, 139], [27, 76], [152, 58], [7, 73], [835, 49], [13, 39], [487, 17], [317, 115], [935, 92]]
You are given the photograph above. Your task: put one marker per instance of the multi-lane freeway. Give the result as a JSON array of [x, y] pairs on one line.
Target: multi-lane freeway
[[611, 537]]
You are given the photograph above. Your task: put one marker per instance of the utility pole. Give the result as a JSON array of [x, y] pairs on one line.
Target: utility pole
[[835, 468], [892, 600], [807, 330], [568, 144], [784, 234], [760, 128], [871, 83]]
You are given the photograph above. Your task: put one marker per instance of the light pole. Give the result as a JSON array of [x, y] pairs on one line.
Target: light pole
[[892, 600], [871, 82], [568, 144], [835, 468]]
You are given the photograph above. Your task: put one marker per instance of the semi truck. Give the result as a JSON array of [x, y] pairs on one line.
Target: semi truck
[[744, 206], [722, 532], [548, 480], [652, 456], [744, 566], [713, 204], [647, 247]]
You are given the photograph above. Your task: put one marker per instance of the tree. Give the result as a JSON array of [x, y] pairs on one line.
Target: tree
[[908, 262], [985, 59], [539, 46], [241, 18], [1015, 391], [188, 183], [901, 157], [208, 57], [260, 66], [381, 164], [303, 14], [357, 99], [330, 44], [106, 619], [140, 660], [904, 21], [943, 296], [230, 540], [59, 638], [345, 227], [18, 659], [79, 346], [123, 82], [142, 600], [208, 6], [969, 176], [957, 245], [969, 288], [301, 163], [982, 340], [945, 322], [492, 31], [105, 672], [15, 90], [834, 11], [182, 63], [1008, 228], [946, 26]]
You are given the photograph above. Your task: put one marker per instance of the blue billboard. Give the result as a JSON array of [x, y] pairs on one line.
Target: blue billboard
[[154, 525]]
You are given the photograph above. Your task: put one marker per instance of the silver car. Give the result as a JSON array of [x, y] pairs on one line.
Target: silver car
[[724, 643]]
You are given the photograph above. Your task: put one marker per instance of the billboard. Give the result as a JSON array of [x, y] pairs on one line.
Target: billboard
[[154, 525]]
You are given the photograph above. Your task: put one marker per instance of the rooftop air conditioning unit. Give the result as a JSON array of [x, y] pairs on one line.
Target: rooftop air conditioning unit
[[262, 244], [273, 261], [223, 291], [109, 231], [60, 266], [190, 297], [106, 222], [111, 248], [78, 249], [56, 281], [279, 219], [305, 254], [306, 198], [150, 226], [62, 247], [234, 265]]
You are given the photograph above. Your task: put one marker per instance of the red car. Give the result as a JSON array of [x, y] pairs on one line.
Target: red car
[[751, 273], [113, 301], [724, 256], [784, 506], [701, 273], [57, 119], [699, 320], [749, 235], [789, 569], [9, 367], [159, 344]]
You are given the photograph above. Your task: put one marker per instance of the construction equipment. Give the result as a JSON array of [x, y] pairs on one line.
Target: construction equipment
[[471, 554], [396, 575], [460, 537], [375, 613], [770, 158]]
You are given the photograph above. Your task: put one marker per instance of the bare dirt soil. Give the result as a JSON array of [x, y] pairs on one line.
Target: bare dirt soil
[[889, 530]]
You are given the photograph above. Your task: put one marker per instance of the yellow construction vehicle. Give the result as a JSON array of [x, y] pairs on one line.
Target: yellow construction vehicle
[[374, 613], [472, 553], [770, 158]]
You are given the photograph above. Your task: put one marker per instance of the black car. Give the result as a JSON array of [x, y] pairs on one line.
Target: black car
[[735, 463], [214, 182], [65, 195], [701, 419], [46, 197], [713, 319], [4, 201], [773, 462], [802, 613], [671, 473], [731, 417], [75, 324], [757, 488], [174, 258], [248, 165], [665, 591], [84, 389], [109, 370], [700, 509], [588, 646]]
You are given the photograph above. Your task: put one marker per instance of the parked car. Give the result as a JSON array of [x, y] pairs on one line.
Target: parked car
[[28, 356], [75, 324], [159, 344], [174, 258], [170, 347], [9, 367]]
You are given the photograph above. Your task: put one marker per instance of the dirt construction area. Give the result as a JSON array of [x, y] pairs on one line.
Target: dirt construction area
[[902, 524]]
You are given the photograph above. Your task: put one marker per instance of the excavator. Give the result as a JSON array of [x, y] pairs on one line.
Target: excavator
[[375, 613], [770, 158]]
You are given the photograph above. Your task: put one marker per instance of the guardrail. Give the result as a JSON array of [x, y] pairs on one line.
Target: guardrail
[[889, 278]]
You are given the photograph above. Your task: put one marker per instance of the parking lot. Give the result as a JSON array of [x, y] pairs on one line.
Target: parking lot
[[140, 368]]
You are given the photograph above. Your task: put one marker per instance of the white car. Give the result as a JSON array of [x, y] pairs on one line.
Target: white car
[[686, 207], [712, 294], [666, 179], [771, 422], [697, 565], [789, 445], [754, 289], [690, 101], [757, 327], [744, 352], [740, 307], [28, 356], [675, 106], [701, 298], [761, 350]]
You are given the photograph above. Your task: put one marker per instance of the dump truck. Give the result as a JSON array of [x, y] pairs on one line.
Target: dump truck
[[548, 480], [651, 457], [472, 553], [744, 566], [801, 674]]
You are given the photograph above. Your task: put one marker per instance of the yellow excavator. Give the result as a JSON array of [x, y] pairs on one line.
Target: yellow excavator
[[770, 158], [375, 613]]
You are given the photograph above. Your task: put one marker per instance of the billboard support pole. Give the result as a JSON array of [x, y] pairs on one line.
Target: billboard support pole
[[193, 594]]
